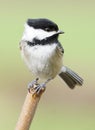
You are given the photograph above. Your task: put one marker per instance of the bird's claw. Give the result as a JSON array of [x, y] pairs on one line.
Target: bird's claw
[[31, 85], [39, 88]]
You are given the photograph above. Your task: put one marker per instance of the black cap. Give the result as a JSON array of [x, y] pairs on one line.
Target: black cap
[[43, 23]]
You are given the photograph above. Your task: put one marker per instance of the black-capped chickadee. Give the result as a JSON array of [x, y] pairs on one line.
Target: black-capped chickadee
[[43, 54]]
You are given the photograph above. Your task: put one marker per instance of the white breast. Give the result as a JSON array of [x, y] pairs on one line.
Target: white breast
[[42, 60]]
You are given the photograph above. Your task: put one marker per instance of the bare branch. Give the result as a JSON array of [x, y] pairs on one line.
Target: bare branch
[[28, 111]]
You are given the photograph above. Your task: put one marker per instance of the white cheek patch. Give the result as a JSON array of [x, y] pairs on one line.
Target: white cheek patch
[[30, 33]]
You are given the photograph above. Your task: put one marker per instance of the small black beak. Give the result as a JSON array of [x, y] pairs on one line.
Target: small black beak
[[60, 32]]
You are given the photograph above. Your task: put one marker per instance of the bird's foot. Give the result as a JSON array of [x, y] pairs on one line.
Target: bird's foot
[[31, 85], [37, 88]]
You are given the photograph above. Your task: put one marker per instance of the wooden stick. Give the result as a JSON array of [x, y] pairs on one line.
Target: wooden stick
[[28, 110]]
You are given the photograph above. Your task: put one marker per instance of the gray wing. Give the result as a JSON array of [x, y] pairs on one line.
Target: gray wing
[[60, 46], [60, 49]]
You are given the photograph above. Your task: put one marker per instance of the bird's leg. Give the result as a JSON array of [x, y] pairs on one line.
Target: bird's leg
[[31, 84], [41, 86]]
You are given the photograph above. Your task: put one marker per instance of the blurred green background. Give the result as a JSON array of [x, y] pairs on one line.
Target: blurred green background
[[59, 107]]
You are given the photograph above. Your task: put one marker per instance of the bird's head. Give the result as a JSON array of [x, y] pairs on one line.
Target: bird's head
[[40, 29]]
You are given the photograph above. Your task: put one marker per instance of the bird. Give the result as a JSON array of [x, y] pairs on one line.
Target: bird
[[43, 54]]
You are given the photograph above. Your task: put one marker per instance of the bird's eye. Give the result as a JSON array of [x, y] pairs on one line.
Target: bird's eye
[[47, 29]]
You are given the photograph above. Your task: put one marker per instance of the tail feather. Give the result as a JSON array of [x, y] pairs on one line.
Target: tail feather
[[70, 77]]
